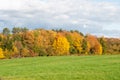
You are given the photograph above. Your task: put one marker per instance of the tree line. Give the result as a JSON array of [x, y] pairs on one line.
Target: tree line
[[22, 42]]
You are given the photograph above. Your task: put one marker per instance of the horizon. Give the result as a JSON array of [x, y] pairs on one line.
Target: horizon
[[1, 32]]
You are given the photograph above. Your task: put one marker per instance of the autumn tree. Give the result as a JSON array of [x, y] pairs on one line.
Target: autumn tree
[[17, 37], [112, 45], [8, 53], [75, 40], [95, 46], [2, 38], [25, 52], [7, 43], [18, 45], [43, 42], [61, 45], [15, 52], [28, 39], [1, 53], [103, 44], [85, 46]]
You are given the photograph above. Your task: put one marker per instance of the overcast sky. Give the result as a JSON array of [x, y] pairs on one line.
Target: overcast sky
[[98, 17]]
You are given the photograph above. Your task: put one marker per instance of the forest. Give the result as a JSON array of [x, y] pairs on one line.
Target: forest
[[22, 42]]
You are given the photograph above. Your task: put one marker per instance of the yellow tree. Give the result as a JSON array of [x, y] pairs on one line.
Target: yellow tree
[[85, 46], [43, 41], [15, 52], [8, 53], [25, 52], [77, 40], [61, 45], [1, 53], [98, 49], [102, 41], [28, 39]]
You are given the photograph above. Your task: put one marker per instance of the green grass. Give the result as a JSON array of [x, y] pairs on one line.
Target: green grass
[[105, 67]]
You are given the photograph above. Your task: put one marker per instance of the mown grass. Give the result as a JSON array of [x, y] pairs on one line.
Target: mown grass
[[105, 67]]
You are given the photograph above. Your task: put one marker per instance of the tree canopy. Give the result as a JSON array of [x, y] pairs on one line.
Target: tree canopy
[[23, 42]]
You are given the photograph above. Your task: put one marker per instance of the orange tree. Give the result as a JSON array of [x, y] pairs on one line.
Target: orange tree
[[95, 46]]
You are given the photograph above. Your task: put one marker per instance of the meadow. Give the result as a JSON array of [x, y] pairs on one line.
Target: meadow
[[104, 67]]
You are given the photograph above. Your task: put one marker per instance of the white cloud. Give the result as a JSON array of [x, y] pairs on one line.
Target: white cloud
[[94, 14]]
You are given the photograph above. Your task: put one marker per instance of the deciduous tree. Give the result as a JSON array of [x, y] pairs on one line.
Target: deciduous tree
[[6, 31], [61, 45], [95, 46], [1, 53]]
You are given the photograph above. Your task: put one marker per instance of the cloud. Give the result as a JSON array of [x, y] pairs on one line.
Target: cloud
[[88, 16]]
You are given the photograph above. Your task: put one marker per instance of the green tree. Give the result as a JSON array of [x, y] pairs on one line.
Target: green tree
[[25, 29], [16, 30], [6, 31]]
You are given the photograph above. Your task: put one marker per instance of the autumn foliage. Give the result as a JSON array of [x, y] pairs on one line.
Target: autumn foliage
[[61, 45], [1, 54], [95, 46], [39, 42]]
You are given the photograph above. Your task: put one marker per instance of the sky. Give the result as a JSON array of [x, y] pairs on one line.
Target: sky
[[97, 17]]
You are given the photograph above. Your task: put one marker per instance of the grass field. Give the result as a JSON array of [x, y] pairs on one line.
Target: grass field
[[105, 67]]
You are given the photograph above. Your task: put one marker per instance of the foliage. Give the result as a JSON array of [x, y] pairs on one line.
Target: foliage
[[112, 45], [1, 53], [7, 43], [15, 52], [6, 31], [18, 30], [25, 52], [8, 54], [28, 39], [61, 45], [103, 44], [85, 46], [95, 46], [75, 40], [40, 42]]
